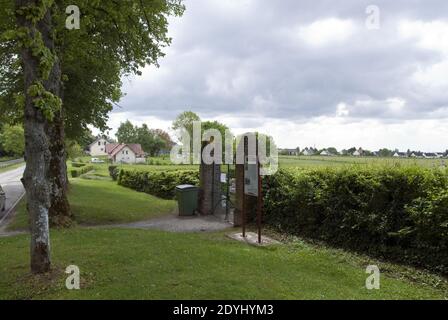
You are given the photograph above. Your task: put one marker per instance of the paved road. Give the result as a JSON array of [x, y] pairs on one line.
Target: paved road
[[11, 184]]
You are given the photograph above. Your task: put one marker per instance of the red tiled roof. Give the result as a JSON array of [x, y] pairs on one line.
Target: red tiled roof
[[113, 148]]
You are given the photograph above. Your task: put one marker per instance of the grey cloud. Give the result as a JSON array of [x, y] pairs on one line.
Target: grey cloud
[[248, 62]]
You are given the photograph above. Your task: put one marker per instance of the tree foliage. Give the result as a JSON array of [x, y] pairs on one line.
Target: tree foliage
[[152, 141], [12, 140]]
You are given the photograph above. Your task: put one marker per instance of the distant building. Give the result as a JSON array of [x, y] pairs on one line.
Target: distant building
[[289, 152], [327, 153], [98, 147], [125, 153], [398, 154], [307, 152], [358, 153], [430, 155]]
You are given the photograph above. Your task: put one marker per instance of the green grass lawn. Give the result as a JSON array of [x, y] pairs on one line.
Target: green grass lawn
[[120, 263], [104, 202], [142, 264]]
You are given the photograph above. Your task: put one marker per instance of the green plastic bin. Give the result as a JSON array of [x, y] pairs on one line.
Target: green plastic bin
[[187, 199]]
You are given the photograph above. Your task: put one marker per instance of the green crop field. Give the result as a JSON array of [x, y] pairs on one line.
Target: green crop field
[[321, 161]]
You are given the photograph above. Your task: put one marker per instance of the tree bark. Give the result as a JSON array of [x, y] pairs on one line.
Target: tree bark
[[37, 152], [60, 213]]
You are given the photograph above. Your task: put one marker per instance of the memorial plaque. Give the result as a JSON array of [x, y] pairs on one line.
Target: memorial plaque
[[251, 176]]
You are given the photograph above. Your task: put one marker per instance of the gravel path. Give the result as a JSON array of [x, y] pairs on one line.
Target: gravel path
[[174, 223]]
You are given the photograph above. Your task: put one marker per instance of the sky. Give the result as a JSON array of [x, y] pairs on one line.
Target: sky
[[318, 73]]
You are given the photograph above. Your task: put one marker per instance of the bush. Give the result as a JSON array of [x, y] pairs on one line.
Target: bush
[[160, 184], [114, 171], [80, 171], [396, 213], [78, 165]]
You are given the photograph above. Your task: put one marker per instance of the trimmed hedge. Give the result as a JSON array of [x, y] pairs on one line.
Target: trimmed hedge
[[78, 165], [160, 184], [80, 171], [400, 214]]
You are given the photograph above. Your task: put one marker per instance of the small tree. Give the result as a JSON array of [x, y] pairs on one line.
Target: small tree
[[73, 149], [13, 140]]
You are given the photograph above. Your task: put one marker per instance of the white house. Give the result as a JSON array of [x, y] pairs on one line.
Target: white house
[[325, 153], [125, 153], [290, 152], [398, 154], [98, 147], [307, 152], [358, 152]]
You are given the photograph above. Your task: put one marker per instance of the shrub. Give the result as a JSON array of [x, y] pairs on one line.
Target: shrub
[[160, 184], [80, 171], [114, 171], [78, 165], [395, 213]]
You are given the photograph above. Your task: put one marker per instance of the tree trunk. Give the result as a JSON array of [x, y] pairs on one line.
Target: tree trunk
[[60, 213], [37, 152]]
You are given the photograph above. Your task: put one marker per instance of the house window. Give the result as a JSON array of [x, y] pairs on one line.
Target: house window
[[127, 152], [99, 143]]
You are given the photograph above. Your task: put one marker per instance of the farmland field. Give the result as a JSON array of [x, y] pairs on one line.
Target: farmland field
[[320, 161], [163, 164]]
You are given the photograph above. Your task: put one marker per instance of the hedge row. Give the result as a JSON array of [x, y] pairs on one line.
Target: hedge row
[[80, 171], [78, 165], [400, 214], [160, 184]]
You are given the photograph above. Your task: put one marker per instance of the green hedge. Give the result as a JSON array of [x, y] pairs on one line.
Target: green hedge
[[78, 165], [160, 184], [399, 214], [80, 171]]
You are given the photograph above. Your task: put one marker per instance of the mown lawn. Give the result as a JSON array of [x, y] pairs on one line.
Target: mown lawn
[[95, 202], [140, 264]]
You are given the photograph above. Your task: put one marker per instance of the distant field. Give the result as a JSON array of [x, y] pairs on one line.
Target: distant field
[[163, 164], [321, 161]]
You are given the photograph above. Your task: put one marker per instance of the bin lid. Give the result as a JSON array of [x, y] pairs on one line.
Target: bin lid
[[186, 187]]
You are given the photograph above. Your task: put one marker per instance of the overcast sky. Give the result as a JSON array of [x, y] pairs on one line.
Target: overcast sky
[[306, 72]]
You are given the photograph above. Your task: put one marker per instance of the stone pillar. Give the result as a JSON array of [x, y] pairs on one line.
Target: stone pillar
[[210, 189]]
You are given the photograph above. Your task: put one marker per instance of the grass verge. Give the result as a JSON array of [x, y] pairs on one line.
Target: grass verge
[[96, 202], [143, 264]]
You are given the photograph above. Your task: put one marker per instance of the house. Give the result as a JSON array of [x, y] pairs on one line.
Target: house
[[326, 153], [308, 152], [289, 152], [358, 153], [125, 153], [398, 154], [430, 155], [98, 147]]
